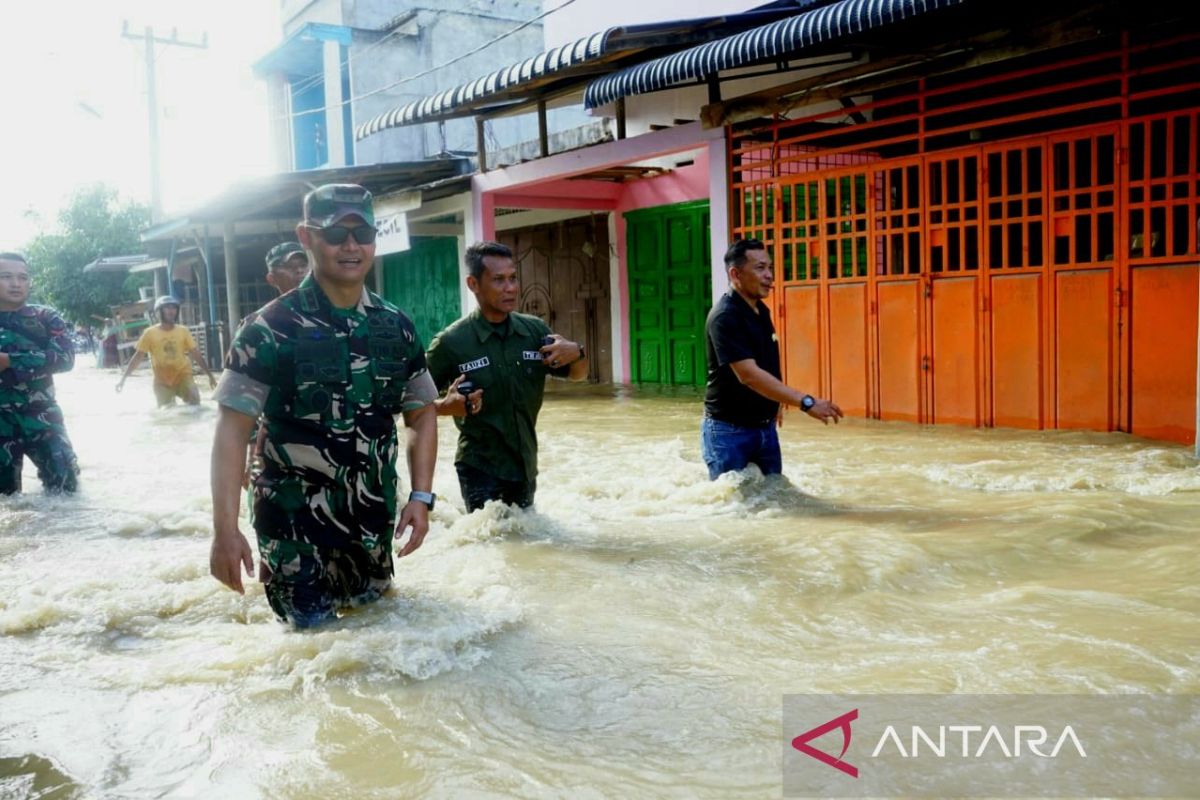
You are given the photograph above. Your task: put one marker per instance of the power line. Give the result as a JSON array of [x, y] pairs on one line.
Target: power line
[[432, 69], [316, 77], [152, 103]]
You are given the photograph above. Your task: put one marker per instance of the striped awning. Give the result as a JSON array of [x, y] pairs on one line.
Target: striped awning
[[774, 41], [438, 105], [567, 66]]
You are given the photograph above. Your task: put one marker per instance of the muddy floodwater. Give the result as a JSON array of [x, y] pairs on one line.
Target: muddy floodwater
[[631, 637]]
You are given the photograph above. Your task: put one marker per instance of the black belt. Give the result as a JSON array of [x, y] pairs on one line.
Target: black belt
[[743, 424]]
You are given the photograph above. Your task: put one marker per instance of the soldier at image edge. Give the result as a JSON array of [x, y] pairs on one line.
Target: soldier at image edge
[[35, 343]]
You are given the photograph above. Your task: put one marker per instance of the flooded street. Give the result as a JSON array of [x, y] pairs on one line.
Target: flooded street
[[632, 637]]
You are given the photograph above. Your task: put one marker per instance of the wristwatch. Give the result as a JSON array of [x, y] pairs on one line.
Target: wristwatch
[[428, 498], [807, 402]]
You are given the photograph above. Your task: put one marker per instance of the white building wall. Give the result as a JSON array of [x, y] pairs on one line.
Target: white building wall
[[585, 17]]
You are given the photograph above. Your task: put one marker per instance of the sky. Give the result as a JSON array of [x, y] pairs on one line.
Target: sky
[[73, 94]]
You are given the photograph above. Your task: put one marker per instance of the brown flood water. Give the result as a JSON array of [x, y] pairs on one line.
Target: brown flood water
[[631, 637]]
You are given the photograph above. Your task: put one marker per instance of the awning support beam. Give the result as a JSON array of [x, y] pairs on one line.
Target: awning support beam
[[543, 136], [480, 144]]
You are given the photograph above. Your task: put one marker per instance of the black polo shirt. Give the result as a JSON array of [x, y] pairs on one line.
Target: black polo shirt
[[735, 332]]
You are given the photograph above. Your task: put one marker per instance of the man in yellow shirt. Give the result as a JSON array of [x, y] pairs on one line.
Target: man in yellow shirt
[[172, 350]]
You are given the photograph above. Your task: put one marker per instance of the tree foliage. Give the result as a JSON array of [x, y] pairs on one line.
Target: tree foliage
[[93, 224]]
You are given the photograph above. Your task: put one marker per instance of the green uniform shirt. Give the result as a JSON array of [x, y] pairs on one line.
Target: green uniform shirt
[[507, 364], [328, 383]]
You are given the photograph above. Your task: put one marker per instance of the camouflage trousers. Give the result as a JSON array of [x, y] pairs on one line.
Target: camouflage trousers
[[40, 434], [307, 585]]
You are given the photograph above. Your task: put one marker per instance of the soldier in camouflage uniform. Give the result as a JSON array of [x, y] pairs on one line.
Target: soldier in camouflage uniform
[[328, 366], [34, 344]]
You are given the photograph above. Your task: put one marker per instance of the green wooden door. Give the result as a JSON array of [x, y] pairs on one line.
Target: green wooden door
[[423, 281], [670, 292]]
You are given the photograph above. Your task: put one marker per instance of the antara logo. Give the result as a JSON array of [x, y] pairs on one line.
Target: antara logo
[[801, 742], [976, 742]]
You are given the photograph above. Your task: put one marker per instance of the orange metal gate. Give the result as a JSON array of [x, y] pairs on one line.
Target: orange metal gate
[[1038, 281]]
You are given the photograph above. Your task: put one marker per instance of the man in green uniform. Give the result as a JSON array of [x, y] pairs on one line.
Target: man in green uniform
[[35, 343], [507, 356], [328, 366], [287, 265]]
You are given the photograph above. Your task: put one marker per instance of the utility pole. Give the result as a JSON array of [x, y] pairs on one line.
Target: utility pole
[[152, 103]]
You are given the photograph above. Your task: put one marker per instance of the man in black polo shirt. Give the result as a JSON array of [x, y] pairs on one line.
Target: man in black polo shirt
[[745, 389]]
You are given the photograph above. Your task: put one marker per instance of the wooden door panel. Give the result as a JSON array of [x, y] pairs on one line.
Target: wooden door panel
[[669, 293], [423, 282]]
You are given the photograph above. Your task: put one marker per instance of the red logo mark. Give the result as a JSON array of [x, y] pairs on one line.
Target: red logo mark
[[843, 722]]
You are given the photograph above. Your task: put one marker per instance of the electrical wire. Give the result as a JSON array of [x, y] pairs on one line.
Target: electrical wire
[[432, 69]]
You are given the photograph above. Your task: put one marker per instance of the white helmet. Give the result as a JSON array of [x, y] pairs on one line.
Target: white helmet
[[166, 300]]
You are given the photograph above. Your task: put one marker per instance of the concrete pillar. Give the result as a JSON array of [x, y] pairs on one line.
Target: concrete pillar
[[200, 270], [718, 209], [334, 130], [229, 236], [471, 234], [159, 289], [279, 123], [618, 303]]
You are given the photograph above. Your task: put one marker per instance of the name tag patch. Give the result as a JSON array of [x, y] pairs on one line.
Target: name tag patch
[[478, 363], [531, 355]]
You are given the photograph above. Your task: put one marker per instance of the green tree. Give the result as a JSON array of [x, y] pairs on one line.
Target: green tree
[[93, 224]]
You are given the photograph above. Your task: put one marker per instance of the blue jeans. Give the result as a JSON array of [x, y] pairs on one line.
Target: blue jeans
[[726, 447]]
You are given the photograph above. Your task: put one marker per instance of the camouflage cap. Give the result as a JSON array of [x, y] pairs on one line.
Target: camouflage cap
[[328, 204], [280, 253]]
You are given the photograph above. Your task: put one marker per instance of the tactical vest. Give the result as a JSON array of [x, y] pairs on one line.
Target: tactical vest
[[322, 361]]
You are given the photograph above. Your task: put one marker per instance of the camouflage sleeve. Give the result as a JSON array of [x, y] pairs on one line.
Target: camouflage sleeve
[[419, 391], [57, 355], [249, 373]]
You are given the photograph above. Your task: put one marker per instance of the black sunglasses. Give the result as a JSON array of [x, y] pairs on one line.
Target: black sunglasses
[[338, 234]]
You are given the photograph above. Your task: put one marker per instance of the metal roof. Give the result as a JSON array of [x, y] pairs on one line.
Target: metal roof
[[118, 263], [560, 68], [773, 41], [280, 197]]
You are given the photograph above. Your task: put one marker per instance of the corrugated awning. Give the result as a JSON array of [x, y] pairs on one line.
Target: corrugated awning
[[122, 264], [572, 63], [774, 41], [437, 106], [277, 199]]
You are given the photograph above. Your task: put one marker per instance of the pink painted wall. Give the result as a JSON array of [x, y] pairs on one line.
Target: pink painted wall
[[538, 184]]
